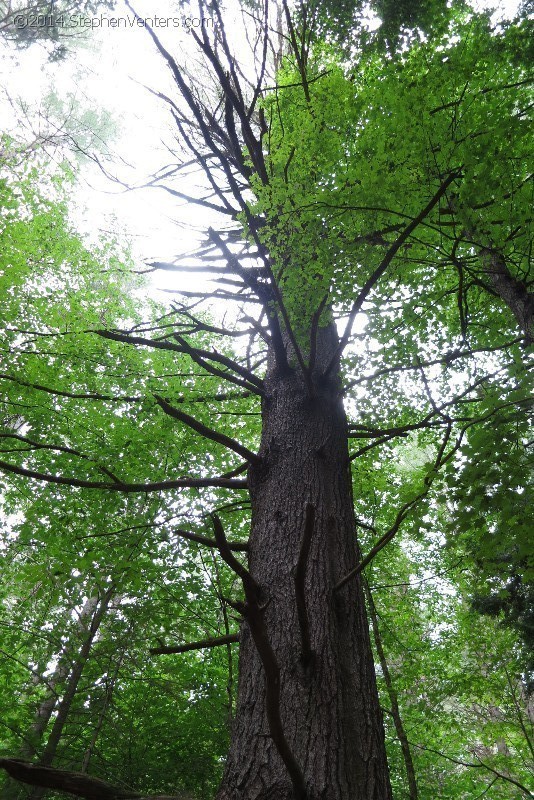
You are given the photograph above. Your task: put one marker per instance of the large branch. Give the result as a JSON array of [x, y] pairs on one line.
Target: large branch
[[208, 433], [34, 445], [204, 398], [384, 264], [250, 382], [156, 486], [213, 355], [75, 395], [75, 783], [513, 292]]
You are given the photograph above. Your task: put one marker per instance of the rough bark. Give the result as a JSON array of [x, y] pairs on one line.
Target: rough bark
[[513, 292], [328, 703]]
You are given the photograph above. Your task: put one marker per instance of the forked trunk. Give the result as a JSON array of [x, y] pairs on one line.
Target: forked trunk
[[329, 703]]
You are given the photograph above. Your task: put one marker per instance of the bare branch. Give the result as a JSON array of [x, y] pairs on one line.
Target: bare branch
[[208, 433], [204, 644], [384, 264], [234, 97], [127, 488]]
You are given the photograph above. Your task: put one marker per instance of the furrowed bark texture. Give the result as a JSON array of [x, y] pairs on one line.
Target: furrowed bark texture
[[329, 705], [513, 292]]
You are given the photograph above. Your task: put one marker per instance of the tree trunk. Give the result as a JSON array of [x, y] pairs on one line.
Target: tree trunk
[[47, 757], [513, 292], [329, 704], [110, 688], [32, 740]]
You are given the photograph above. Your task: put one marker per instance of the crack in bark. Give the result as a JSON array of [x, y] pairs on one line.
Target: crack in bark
[[253, 612], [300, 589]]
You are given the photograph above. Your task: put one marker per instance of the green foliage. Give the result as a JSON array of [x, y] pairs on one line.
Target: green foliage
[[348, 169], [344, 174], [490, 520], [344, 22], [88, 401]]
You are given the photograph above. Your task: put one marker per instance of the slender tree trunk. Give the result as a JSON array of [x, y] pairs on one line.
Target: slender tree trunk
[[32, 740], [89, 751], [71, 687], [393, 698], [44, 712], [12, 789], [329, 704]]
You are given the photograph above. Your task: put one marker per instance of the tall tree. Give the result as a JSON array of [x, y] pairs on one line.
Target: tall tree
[[337, 208]]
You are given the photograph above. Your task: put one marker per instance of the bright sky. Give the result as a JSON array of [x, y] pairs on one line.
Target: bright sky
[[105, 78], [109, 72]]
